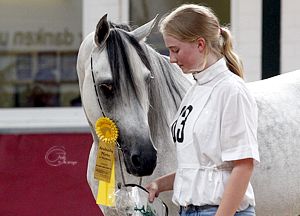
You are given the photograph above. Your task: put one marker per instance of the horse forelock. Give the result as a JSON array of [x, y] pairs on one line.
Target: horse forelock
[[125, 67], [124, 27]]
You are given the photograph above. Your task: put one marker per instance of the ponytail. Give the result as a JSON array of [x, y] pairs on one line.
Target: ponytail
[[232, 60]]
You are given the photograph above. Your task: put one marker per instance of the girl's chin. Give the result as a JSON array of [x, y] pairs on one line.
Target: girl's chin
[[186, 71]]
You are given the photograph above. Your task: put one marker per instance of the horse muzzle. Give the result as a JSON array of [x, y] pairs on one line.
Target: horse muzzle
[[140, 157]]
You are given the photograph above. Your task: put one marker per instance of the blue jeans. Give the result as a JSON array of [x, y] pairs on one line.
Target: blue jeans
[[250, 211]]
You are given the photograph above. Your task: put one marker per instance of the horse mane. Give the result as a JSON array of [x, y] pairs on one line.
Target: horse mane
[[166, 89]]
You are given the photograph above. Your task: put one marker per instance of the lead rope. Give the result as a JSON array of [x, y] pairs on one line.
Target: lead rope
[[121, 166]]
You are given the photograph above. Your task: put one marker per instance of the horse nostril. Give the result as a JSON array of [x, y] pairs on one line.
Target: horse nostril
[[136, 160]]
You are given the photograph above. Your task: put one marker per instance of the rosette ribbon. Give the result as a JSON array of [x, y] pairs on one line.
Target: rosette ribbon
[[107, 133]]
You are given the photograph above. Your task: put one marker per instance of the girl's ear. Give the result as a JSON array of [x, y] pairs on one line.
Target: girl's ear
[[201, 44]]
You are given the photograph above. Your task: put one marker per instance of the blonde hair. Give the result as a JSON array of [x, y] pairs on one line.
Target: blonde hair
[[190, 21]]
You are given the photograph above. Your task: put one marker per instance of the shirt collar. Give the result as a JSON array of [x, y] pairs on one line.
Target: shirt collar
[[211, 72]]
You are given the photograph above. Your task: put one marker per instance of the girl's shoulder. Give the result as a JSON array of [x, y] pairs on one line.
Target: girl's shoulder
[[233, 86]]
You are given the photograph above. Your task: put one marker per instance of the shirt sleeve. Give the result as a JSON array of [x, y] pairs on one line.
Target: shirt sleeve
[[239, 128]]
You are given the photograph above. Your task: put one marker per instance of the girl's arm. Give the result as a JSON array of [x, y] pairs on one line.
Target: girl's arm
[[236, 187], [164, 183]]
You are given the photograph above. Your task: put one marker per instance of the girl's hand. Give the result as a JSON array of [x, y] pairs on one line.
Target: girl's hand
[[152, 188], [161, 184]]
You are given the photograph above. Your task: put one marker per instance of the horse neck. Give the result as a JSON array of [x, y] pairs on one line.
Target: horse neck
[[167, 90]]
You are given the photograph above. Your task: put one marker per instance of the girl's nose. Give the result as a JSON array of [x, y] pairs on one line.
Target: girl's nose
[[172, 58]]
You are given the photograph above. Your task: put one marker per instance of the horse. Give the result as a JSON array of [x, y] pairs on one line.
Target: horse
[[122, 77], [137, 88]]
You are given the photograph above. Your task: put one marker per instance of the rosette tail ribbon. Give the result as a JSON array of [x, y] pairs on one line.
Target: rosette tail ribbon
[[107, 133]]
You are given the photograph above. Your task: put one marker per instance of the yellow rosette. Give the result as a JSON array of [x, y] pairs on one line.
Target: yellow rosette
[[107, 133], [106, 130]]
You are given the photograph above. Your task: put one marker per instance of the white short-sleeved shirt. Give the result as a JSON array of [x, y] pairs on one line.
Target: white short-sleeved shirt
[[216, 123]]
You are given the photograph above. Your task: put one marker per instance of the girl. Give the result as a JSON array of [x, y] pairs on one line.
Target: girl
[[215, 127]]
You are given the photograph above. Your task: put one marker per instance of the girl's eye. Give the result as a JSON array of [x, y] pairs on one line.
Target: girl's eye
[[175, 50]]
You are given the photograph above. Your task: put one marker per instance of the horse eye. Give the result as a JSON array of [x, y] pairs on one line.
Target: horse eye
[[107, 86], [107, 89]]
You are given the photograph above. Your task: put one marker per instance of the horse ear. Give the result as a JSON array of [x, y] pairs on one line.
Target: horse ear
[[102, 31], [143, 31]]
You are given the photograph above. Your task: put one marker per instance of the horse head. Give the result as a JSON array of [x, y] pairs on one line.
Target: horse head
[[122, 75]]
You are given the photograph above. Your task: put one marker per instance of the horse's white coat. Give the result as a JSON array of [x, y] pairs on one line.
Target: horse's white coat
[[276, 180]]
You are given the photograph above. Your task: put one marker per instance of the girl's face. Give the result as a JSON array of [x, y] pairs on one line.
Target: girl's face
[[189, 56]]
